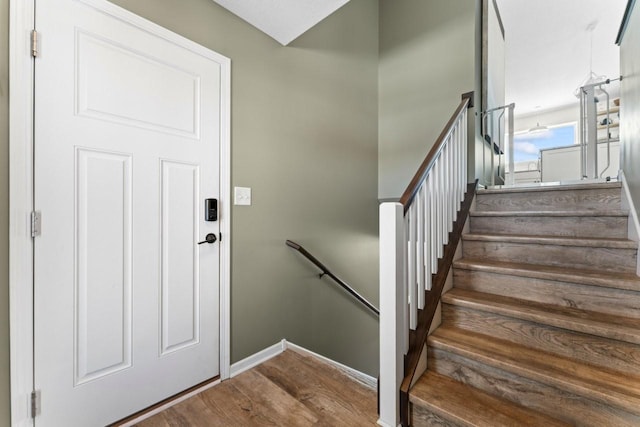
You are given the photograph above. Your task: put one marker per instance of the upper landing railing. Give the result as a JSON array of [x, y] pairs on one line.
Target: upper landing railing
[[500, 136]]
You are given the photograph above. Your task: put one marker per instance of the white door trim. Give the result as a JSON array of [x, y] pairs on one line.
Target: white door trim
[[20, 205], [21, 71]]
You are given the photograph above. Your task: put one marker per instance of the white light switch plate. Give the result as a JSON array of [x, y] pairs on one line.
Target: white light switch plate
[[242, 196]]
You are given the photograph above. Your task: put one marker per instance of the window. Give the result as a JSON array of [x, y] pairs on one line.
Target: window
[[527, 145]]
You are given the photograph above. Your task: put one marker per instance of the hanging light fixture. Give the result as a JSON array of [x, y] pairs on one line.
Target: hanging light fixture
[[537, 128], [592, 78]]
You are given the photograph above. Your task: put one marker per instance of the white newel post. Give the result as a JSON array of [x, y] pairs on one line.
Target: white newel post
[[393, 318]]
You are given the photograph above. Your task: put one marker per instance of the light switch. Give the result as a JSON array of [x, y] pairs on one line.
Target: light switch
[[242, 196]]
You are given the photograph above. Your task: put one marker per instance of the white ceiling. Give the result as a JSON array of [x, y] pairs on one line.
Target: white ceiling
[[547, 48], [284, 20]]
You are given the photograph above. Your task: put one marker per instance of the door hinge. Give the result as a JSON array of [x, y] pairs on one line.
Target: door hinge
[[34, 43], [36, 223], [35, 403]]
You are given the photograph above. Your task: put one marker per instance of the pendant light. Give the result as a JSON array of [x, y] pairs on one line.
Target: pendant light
[[537, 128], [592, 78]]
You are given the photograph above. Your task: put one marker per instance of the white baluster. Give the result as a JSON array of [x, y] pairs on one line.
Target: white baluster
[[447, 171], [460, 163], [443, 199], [411, 266], [450, 196], [433, 223], [454, 172], [464, 155], [438, 190], [445, 190], [427, 232], [419, 201]]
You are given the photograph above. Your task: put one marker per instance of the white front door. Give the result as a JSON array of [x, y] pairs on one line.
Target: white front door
[[127, 137]]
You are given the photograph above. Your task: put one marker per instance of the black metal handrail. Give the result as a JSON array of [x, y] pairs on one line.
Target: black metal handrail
[[326, 271]]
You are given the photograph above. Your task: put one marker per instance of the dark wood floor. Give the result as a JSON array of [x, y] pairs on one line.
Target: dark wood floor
[[289, 390]]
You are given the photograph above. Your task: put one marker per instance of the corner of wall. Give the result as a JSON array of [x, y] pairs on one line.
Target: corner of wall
[[633, 232]]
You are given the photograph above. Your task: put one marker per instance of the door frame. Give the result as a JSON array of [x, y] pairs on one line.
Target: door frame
[[21, 193]]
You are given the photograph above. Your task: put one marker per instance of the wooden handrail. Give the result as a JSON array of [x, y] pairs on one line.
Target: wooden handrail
[[326, 271], [413, 187], [418, 338]]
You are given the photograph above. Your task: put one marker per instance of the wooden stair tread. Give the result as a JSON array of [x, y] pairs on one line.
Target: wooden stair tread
[[573, 187], [600, 324], [618, 280], [553, 240], [614, 388], [524, 213], [588, 348], [469, 406]]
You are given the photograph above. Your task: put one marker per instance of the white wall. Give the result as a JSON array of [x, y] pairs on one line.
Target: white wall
[[630, 104]]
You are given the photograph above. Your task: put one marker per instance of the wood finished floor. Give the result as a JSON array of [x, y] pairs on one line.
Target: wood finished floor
[[289, 390]]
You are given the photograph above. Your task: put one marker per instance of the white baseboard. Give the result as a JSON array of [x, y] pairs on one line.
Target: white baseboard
[[367, 380], [270, 352], [258, 358]]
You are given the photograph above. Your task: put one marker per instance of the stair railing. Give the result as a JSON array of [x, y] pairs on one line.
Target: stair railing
[[492, 130], [590, 95], [418, 239], [327, 272]]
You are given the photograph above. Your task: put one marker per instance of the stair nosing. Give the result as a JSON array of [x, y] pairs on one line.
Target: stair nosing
[[610, 243], [567, 379], [548, 314], [560, 274]]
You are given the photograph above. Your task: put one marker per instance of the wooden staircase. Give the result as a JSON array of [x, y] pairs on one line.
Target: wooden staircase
[[542, 326]]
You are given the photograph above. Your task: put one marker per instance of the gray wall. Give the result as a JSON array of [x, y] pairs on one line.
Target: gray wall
[[495, 57], [4, 213], [477, 146], [630, 105], [304, 137], [426, 62]]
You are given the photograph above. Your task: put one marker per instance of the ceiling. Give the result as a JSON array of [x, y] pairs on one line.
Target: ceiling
[[283, 20], [548, 48]]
